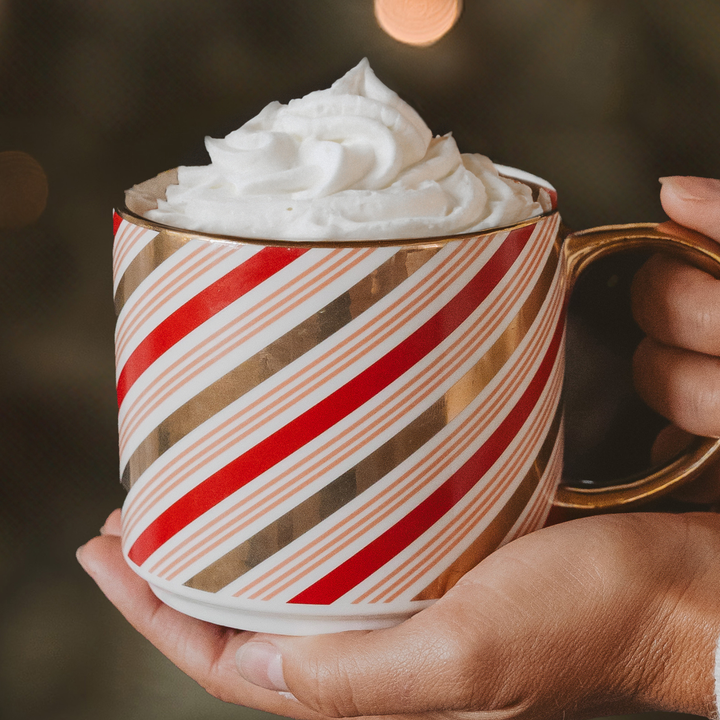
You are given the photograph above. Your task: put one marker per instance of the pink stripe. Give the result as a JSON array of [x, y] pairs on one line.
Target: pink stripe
[[200, 308], [363, 431], [372, 557], [310, 378]]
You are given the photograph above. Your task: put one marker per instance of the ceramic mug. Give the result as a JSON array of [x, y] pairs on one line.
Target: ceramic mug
[[325, 436]]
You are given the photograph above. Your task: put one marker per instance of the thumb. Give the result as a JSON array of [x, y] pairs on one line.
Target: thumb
[[693, 202], [420, 665]]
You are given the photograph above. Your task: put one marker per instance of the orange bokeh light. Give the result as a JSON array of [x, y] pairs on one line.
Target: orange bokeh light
[[417, 22]]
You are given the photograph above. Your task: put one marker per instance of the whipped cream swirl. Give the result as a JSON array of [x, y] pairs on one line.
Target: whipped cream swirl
[[350, 162]]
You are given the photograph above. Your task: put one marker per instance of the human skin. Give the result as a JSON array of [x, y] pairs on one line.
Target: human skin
[[596, 616], [677, 366]]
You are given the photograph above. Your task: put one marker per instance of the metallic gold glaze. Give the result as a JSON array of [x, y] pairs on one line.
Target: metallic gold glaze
[[582, 248], [277, 355], [496, 531], [430, 242], [656, 483], [392, 453], [159, 249]]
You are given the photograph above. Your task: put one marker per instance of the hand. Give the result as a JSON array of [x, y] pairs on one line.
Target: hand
[[592, 617], [677, 367]]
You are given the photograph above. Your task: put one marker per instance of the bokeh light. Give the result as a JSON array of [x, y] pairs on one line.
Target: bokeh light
[[23, 190], [417, 22]]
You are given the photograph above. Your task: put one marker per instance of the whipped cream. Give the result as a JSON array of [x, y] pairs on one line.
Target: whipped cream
[[350, 162]]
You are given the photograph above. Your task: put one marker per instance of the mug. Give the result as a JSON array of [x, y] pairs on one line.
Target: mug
[[324, 436]]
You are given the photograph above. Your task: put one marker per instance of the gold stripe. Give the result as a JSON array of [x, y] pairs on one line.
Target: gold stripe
[[149, 259], [274, 357], [500, 526], [379, 463]]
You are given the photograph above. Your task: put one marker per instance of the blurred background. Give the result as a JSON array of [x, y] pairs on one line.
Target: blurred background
[[601, 98]]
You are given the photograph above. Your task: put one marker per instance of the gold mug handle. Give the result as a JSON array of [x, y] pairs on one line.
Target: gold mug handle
[[582, 248]]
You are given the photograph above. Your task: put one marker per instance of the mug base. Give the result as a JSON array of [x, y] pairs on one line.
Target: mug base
[[316, 622]]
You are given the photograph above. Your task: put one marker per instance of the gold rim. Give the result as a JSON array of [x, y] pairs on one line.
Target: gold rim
[[429, 242]]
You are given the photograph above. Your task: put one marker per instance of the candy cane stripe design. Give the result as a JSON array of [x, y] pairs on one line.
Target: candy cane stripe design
[[229, 288], [371, 469], [287, 348], [380, 551], [314, 465], [339, 358], [333, 408], [290, 570], [361, 435]]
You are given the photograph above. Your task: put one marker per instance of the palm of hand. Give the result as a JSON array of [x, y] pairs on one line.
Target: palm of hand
[[509, 640]]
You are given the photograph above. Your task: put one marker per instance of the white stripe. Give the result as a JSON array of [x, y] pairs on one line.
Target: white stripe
[[496, 488], [200, 261], [378, 493], [129, 240], [322, 360], [375, 406]]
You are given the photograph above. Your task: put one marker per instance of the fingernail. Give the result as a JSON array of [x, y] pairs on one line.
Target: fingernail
[[693, 188], [261, 664], [103, 530], [78, 554]]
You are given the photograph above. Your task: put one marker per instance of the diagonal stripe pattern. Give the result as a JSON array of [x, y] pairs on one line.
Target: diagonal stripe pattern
[[262, 405]]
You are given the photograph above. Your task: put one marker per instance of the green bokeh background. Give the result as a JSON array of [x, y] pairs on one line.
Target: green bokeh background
[[599, 97]]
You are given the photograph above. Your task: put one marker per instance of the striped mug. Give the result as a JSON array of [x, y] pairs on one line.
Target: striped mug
[[325, 436]]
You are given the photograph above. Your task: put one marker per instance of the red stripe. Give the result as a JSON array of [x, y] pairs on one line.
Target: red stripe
[[200, 308], [385, 547], [333, 408], [117, 221]]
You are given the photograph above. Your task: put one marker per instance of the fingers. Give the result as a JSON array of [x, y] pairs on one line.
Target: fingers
[[682, 386], [204, 651], [592, 616], [693, 202], [445, 658], [112, 524], [672, 302], [678, 304], [510, 639], [415, 667]]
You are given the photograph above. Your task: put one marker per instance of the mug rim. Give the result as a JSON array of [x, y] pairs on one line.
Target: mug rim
[[533, 181]]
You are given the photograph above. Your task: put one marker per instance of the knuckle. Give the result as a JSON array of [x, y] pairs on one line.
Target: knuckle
[[706, 326], [215, 687], [330, 690], [704, 407], [469, 678]]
